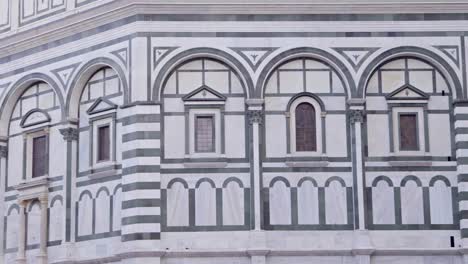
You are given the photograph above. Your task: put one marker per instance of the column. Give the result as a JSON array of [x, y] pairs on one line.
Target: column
[[3, 174], [141, 180], [461, 145], [362, 246], [21, 257], [42, 257], [257, 248], [255, 116], [70, 135]]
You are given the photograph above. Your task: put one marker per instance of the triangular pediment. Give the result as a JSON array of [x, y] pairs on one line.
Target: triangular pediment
[[101, 105], [407, 92], [204, 93], [34, 117]]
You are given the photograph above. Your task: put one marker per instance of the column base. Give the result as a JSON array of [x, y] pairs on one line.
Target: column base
[[258, 260], [41, 259], [362, 247], [21, 260]]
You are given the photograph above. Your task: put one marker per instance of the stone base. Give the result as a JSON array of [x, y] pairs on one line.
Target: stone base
[[20, 261], [41, 259]]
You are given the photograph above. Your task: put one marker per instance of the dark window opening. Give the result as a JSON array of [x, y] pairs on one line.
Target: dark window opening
[[306, 137], [40, 159], [204, 134], [103, 143], [408, 131]]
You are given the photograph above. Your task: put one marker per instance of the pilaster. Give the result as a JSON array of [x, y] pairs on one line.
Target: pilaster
[[3, 171], [141, 179], [70, 135], [362, 244], [257, 248], [461, 144], [255, 117]]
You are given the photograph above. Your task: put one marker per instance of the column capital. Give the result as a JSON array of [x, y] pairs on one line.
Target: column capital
[[254, 102], [356, 116], [255, 116], [357, 103], [3, 151], [69, 133]]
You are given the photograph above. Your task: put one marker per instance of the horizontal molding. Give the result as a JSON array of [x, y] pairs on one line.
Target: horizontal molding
[[141, 135], [204, 170], [411, 168], [463, 196], [461, 117], [141, 203], [99, 180], [206, 228], [146, 152], [141, 118], [141, 186], [141, 219], [463, 214], [462, 177], [98, 170], [106, 17], [141, 169], [411, 158], [242, 253], [307, 169], [461, 130], [98, 236], [461, 145], [141, 236]]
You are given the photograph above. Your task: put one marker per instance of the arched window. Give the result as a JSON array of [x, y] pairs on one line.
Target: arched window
[[306, 136]]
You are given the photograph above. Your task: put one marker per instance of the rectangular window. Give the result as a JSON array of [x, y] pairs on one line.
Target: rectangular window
[[408, 131], [204, 134], [39, 162], [103, 151]]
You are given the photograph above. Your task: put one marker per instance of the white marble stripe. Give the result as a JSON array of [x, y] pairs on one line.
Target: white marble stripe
[[461, 137], [152, 143], [142, 228], [141, 211], [460, 110], [142, 194], [142, 161], [461, 123], [138, 177], [155, 127], [462, 152]]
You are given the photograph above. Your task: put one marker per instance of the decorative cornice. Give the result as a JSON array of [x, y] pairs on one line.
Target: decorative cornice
[[69, 133], [255, 116], [356, 116], [85, 18]]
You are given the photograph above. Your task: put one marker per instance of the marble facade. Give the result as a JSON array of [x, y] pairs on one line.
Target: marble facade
[[146, 69]]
